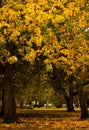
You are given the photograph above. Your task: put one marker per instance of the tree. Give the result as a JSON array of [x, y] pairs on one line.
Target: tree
[[47, 32], [8, 59], [59, 84], [72, 56]]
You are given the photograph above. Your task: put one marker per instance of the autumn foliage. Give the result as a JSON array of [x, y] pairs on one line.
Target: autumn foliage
[[50, 31], [54, 29], [47, 120]]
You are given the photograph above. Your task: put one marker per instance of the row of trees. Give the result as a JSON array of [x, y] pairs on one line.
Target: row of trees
[[49, 34], [38, 90]]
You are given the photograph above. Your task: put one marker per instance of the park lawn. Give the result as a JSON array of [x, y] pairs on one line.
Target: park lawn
[[47, 119]]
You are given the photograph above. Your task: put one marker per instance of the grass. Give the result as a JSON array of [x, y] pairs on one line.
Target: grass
[[48, 112]]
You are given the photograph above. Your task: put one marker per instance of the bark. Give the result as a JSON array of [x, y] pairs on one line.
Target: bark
[[9, 96], [69, 101], [69, 104], [2, 99], [2, 108], [83, 103], [68, 98]]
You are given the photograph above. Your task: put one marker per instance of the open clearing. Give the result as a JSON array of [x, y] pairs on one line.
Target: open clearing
[[48, 119]]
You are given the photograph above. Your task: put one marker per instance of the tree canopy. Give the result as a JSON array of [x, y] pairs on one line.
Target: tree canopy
[[52, 29], [53, 33]]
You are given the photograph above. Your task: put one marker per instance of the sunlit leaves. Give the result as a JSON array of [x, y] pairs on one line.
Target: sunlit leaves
[[2, 40], [30, 56], [68, 13], [58, 19], [54, 29], [37, 40]]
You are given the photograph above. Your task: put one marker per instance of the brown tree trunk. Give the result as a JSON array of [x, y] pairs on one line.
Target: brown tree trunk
[[68, 99], [2, 108], [70, 107], [58, 85], [9, 96], [83, 104], [69, 103]]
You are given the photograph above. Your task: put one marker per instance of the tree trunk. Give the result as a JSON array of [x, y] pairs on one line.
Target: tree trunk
[[58, 85], [9, 96], [68, 99], [69, 103], [83, 104], [2, 98], [2, 108], [70, 107]]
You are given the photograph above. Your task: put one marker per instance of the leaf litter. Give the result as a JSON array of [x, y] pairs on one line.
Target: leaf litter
[[47, 120]]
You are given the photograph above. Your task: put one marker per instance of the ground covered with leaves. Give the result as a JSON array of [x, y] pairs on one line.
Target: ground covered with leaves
[[47, 120]]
